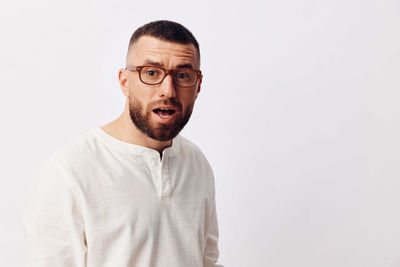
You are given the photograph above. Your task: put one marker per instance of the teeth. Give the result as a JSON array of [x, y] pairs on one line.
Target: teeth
[[167, 112]]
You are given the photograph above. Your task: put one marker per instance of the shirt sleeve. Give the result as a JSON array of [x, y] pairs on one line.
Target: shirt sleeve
[[53, 223], [211, 251]]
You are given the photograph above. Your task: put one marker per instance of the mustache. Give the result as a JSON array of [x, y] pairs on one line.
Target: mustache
[[167, 102]]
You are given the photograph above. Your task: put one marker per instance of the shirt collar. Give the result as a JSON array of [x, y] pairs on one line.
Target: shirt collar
[[137, 149]]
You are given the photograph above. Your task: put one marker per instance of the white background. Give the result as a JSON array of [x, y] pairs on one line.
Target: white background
[[298, 116]]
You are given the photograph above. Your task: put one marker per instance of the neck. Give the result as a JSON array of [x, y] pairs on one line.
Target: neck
[[123, 129]]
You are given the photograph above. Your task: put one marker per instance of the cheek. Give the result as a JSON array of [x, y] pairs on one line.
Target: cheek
[[187, 98], [142, 94]]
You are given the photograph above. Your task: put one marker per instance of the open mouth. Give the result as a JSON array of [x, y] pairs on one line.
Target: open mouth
[[163, 112]]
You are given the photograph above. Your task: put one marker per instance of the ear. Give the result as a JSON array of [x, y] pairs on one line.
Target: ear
[[124, 81], [198, 87]]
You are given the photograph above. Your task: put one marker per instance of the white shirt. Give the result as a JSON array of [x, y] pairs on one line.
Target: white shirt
[[101, 202]]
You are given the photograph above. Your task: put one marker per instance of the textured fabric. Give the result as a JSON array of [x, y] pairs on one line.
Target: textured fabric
[[101, 202]]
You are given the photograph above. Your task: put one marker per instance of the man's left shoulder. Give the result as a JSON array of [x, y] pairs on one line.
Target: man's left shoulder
[[188, 148]]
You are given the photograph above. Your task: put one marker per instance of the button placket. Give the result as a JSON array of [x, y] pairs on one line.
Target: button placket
[[153, 162], [166, 187], [160, 175]]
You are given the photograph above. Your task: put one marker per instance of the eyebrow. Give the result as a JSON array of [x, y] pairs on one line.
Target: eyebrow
[[152, 63], [187, 65], [181, 66]]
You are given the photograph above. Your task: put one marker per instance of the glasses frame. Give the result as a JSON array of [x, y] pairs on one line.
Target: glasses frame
[[166, 72]]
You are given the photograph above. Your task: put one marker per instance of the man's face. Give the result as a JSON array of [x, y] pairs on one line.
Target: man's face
[[161, 111]]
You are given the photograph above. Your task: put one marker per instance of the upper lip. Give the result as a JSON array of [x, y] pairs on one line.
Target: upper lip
[[166, 107]]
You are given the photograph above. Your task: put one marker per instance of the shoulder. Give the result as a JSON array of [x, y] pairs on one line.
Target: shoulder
[[188, 146], [74, 157], [81, 149], [190, 150]]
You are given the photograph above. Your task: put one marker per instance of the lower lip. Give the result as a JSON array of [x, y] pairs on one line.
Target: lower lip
[[166, 120]]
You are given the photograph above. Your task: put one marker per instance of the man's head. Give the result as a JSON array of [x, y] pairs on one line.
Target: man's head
[[166, 31], [161, 110]]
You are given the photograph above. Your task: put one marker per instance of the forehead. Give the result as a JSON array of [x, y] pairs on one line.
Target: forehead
[[148, 48]]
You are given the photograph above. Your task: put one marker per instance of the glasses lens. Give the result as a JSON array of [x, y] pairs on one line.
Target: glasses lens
[[151, 75], [185, 77]]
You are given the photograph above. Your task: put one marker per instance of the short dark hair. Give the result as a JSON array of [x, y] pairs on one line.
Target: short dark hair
[[166, 30]]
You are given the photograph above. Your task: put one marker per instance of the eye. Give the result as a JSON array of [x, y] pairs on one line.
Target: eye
[[182, 75], [151, 72]]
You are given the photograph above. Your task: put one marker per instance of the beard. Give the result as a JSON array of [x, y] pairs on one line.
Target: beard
[[141, 118]]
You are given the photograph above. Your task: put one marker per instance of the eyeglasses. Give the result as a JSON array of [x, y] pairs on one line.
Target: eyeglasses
[[152, 75]]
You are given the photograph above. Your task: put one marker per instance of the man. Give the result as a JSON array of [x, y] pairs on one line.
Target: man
[[133, 192]]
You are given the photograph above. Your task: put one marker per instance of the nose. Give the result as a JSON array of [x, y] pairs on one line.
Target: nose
[[167, 88]]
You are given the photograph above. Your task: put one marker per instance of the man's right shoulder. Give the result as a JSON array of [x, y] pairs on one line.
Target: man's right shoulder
[[77, 155], [81, 149]]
